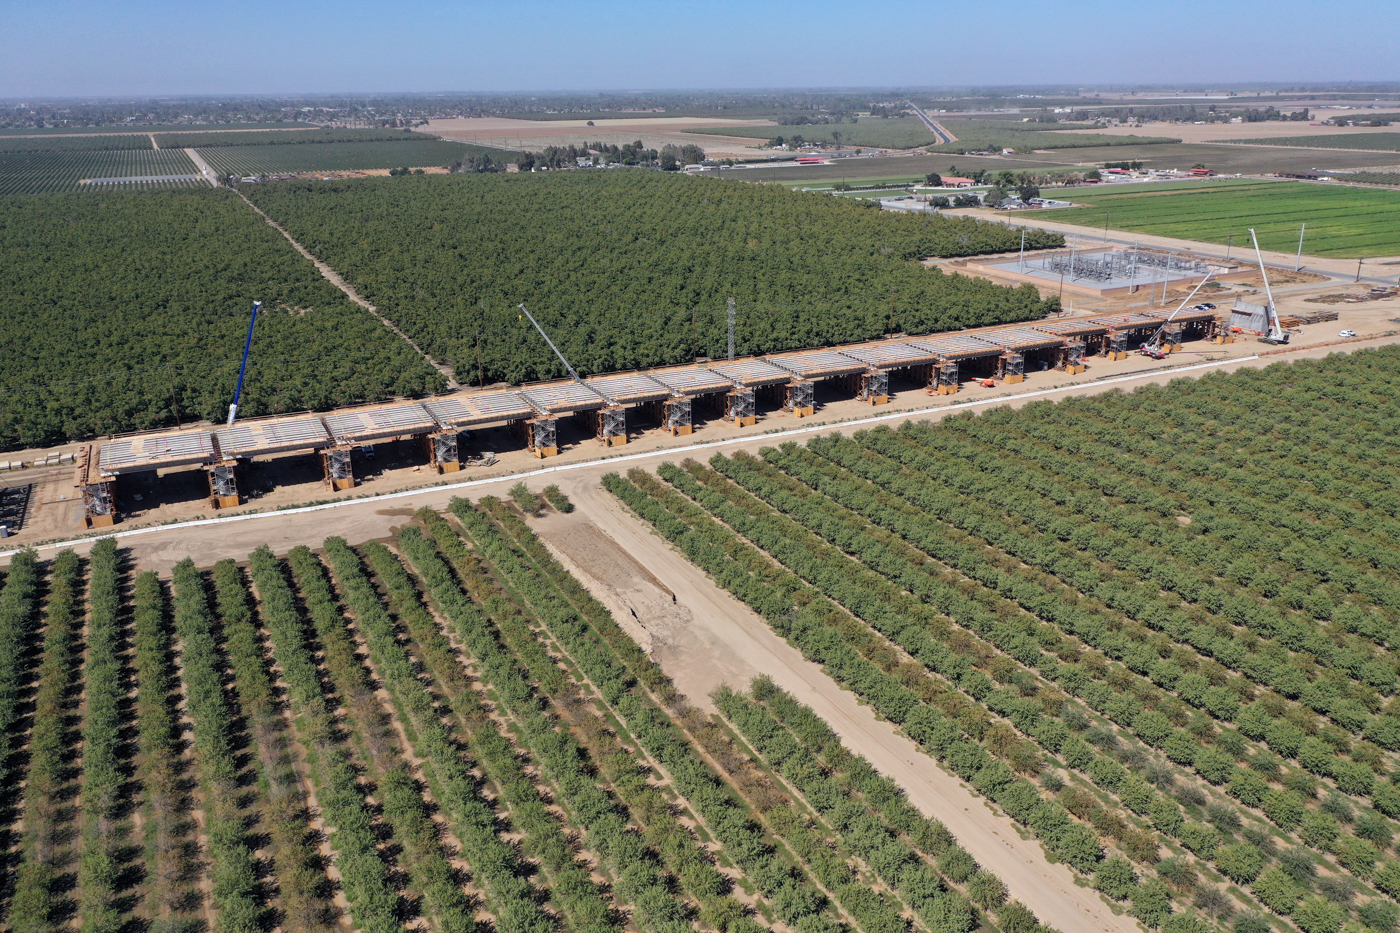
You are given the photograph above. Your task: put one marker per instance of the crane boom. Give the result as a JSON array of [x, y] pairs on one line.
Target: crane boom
[[1156, 337], [527, 313], [242, 369], [1276, 333]]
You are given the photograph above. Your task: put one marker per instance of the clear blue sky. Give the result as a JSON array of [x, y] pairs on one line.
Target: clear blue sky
[[156, 47]]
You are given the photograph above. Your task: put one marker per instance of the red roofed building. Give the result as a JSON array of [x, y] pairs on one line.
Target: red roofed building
[[955, 181]]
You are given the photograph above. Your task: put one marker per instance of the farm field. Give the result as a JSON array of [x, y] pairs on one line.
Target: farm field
[[439, 731], [151, 298], [883, 133], [1227, 158], [144, 128], [1154, 629], [993, 136], [1341, 221], [47, 172], [1389, 142], [74, 143], [200, 139], [631, 268], [340, 156]]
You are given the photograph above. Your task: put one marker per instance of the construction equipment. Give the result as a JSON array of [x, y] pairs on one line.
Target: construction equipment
[[247, 345], [1276, 335], [1153, 346]]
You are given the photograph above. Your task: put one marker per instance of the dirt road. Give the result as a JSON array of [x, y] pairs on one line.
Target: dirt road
[[707, 638], [335, 279]]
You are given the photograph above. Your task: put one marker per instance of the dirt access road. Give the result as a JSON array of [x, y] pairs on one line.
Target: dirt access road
[[707, 638]]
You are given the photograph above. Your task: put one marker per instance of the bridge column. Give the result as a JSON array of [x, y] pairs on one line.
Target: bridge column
[[875, 387], [443, 453], [798, 398], [1013, 367], [946, 377], [340, 473], [542, 437], [223, 485], [678, 415], [740, 407]]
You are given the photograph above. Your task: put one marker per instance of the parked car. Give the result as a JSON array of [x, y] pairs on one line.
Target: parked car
[[1347, 333]]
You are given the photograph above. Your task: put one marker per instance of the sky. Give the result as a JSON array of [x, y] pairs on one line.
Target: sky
[[116, 48]]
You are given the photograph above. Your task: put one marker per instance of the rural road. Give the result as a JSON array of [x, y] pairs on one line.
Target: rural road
[[708, 638], [208, 172], [943, 135]]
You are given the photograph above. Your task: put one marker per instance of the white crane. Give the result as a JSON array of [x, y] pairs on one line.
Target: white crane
[[1153, 346], [1276, 334]]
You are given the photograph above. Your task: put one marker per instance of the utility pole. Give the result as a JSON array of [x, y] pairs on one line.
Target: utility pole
[[1358, 269], [1105, 226], [1231, 245], [694, 338], [1022, 267], [480, 367], [731, 328], [1298, 262]]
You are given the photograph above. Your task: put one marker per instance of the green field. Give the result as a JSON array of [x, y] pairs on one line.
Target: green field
[[883, 133], [1228, 158], [1342, 221], [45, 172], [147, 128], [198, 140], [75, 143], [1386, 142], [340, 157], [106, 300], [631, 268], [993, 136]]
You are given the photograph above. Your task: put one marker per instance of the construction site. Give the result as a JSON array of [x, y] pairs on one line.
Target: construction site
[[1105, 273], [448, 433]]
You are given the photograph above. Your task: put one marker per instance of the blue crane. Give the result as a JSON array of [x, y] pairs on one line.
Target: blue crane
[[247, 345]]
